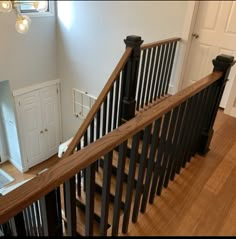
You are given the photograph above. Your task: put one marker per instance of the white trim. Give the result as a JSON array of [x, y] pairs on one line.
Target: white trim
[[190, 20], [35, 87], [50, 13], [18, 166], [230, 108]]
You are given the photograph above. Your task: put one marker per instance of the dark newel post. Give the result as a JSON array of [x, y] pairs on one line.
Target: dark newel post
[[130, 77], [222, 63]]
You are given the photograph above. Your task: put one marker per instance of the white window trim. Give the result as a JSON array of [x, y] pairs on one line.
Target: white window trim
[[50, 13]]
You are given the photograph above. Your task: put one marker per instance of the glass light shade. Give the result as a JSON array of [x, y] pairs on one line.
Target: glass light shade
[[5, 6], [41, 6], [22, 24]]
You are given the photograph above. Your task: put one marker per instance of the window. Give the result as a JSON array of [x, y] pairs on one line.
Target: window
[[29, 9]]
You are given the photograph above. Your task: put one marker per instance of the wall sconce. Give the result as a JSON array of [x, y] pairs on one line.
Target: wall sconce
[[22, 21]]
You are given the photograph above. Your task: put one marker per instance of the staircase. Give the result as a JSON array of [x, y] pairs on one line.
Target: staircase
[[142, 139]]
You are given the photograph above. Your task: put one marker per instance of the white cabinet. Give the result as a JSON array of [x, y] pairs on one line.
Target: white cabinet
[[38, 114]]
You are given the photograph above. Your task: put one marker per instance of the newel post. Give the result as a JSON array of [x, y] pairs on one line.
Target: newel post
[[130, 76], [221, 63]]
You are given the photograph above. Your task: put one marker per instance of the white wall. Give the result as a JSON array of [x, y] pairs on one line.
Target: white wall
[[30, 58], [90, 41], [8, 121]]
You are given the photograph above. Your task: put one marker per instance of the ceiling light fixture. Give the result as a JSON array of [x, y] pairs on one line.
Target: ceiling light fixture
[[23, 21]]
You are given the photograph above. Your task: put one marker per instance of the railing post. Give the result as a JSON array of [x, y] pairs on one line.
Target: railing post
[[221, 63], [130, 76]]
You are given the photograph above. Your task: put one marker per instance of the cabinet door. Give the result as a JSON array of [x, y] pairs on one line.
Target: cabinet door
[[31, 122], [50, 114]]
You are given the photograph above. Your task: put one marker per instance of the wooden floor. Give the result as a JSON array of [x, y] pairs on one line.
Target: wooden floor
[[200, 201], [20, 177]]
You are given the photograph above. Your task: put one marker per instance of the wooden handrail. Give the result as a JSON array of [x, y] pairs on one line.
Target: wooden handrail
[[98, 102], [158, 43], [23, 196]]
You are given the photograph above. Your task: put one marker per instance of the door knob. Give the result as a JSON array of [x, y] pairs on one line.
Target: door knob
[[41, 132], [195, 35], [46, 130]]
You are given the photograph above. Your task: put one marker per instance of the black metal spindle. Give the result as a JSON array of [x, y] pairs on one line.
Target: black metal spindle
[[119, 188], [164, 70], [107, 173], [150, 76], [167, 68], [155, 74], [159, 156], [141, 172], [53, 213], [131, 179], [70, 206], [153, 150], [178, 144], [200, 104], [183, 139], [90, 193], [173, 159], [167, 150], [204, 112], [43, 214], [156, 94], [20, 226], [189, 134], [171, 67]]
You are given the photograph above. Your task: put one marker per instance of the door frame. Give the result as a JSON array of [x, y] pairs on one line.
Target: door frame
[[191, 17]]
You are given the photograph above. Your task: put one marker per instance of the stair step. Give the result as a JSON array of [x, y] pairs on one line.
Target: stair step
[[99, 185], [80, 226], [115, 158], [81, 202]]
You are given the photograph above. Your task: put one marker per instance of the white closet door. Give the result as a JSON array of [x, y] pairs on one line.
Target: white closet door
[[33, 134], [50, 113]]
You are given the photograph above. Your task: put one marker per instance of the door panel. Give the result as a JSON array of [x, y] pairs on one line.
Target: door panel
[[49, 101], [31, 120], [216, 28]]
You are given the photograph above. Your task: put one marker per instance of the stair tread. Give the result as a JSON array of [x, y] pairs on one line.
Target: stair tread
[[99, 181], [97, 205], [127, 164]]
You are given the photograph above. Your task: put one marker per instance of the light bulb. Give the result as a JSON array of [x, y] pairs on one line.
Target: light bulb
[[22, 24], [41, 6], [5, 6]]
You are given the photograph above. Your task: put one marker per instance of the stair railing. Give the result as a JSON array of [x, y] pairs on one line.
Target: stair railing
[[174, 130], [130, 88]]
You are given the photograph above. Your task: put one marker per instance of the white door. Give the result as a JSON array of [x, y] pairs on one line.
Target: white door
[[50, 113], [32, 128], [214, 34]]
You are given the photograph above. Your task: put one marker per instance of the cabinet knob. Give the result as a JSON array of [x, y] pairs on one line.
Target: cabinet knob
[[46, 130], [41, 132], [195, 35]]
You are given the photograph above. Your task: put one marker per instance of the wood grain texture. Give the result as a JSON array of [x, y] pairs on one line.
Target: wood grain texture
[[98, 102], [158, 43], [67, 167]]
